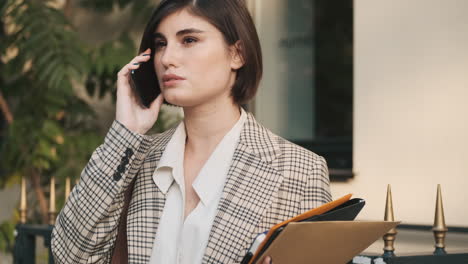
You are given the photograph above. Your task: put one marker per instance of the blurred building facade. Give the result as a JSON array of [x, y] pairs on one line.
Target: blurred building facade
[[409, 99]]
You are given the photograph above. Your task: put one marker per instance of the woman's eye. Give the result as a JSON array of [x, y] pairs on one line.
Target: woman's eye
[[189, 40], [159, 44]]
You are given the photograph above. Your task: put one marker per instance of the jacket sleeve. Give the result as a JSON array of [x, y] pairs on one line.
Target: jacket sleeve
[[86, 227], [317, 191]]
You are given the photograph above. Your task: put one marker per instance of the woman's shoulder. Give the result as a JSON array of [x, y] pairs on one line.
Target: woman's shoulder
[[294, 153], [287, 152], [303, 171]]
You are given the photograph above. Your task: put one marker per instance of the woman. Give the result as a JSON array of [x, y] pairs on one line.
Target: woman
[[200, 192]]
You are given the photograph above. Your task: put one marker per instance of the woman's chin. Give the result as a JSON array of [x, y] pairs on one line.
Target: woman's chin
[[179, 100]]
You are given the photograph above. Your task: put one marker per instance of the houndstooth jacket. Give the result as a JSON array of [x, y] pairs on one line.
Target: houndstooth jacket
[[269, 181]]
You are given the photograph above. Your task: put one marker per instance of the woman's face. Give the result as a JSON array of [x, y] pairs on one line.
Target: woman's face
[[193, 63]]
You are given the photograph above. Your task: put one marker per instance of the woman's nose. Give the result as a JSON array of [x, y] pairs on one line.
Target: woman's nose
[[169, 56]]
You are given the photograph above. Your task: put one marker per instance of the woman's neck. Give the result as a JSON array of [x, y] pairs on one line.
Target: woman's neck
[[207, 125]]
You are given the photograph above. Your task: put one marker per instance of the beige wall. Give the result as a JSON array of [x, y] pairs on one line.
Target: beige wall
[[411, 108]]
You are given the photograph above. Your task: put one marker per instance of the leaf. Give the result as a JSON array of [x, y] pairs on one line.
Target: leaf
[[41, 163], [49, 70], [51, 129], [7, 237], [13, 179], [45, 38], [45, 59]]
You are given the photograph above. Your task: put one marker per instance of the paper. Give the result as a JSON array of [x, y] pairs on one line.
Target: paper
[[329, 242]]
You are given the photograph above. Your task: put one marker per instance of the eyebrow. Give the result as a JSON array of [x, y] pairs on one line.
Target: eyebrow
[[180, 32]]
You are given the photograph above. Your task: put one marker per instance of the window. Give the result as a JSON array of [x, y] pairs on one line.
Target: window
[[306, 94]]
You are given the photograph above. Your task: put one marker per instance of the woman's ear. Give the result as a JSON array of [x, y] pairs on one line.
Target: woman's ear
[[237, 61]]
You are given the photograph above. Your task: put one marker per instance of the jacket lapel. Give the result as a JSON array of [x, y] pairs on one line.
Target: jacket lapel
[[146, 205], [250, 188]]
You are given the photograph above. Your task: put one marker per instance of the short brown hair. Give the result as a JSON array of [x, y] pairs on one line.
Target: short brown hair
[[232, 18]]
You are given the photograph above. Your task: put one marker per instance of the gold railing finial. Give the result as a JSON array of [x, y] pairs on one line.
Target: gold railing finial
[[23, 201], [52, 211], [67, 188], [389, 237], [439, 228]]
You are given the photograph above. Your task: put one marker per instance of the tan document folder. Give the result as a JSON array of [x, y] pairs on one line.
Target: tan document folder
[[328, 242]]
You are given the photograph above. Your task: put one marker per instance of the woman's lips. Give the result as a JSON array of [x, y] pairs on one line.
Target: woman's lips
[[171, 79], [172, 82]]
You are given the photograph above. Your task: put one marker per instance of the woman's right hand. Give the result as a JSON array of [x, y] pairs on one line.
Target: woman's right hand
[[128, 111]]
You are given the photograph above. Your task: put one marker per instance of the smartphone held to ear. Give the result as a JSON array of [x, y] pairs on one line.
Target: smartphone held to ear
[[145, 83]]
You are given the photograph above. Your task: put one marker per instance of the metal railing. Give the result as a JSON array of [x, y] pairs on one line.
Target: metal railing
[[25, 242]]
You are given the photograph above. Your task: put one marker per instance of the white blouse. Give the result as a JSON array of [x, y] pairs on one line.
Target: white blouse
[[184, 241]]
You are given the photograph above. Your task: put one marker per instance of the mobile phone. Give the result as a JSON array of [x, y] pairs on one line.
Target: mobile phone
[[145, 83]]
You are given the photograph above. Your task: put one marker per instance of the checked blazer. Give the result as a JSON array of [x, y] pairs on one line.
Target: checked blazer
[[269, 181]]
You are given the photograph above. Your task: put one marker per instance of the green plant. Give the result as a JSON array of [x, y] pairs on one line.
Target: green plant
[[37, 83], [6, 236], [50, 131]]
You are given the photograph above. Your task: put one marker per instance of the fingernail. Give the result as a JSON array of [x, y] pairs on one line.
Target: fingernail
[[136, 63], [146, 54]]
